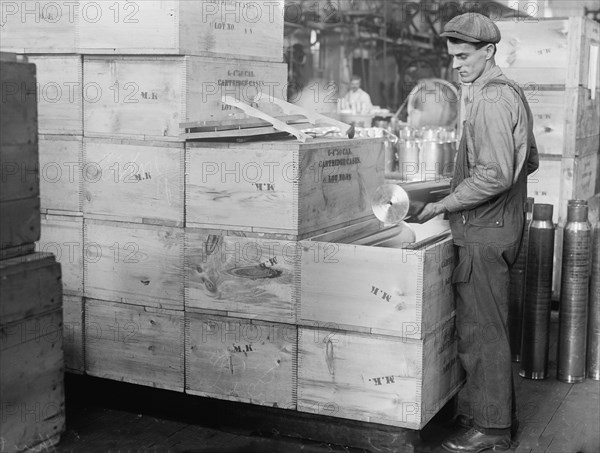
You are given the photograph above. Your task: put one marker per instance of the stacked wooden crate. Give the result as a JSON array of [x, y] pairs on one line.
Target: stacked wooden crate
[[202, 51], [31, 353], [283, 309], [119, 220], [557, 62], [199, 258], [46, 32], [248, 207]]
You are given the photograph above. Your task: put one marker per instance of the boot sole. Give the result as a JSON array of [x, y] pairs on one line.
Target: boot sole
[[498, 447]]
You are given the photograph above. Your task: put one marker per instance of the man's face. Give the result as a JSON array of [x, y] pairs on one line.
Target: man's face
[[354, 85], [468, 60]]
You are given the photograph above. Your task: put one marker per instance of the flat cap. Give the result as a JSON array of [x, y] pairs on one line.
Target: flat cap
[[472, 27]]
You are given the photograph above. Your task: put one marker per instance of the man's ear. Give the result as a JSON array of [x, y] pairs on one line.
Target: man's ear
[[490, 50]]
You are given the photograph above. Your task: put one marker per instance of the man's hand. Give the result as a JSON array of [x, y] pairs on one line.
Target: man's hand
[[430, 211]]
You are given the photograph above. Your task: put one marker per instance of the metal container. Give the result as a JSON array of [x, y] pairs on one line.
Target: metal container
[[432, 160], [449, 156], [421, 193], [538, 293], [391, 157], [392, 203], [408, 159], [593, 340], [517, 289], [572, 324]]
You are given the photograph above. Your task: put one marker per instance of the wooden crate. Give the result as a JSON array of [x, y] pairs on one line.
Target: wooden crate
[[241, 360], [566, 122], [31, 355], [63, 237], [39, 27], [136, 344], [549, 51], [19, 177], [30, 285], [286, 187], [61, 178], [18, 107], [133, 263], [241, 276], [242, 29], [147, 97], [133, 181], [60, 93], [387, 289], [559, 180], [31, 379], [73, 333], [374, 378], [19, 223]]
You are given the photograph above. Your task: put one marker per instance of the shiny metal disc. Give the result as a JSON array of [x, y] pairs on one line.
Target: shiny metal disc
[[390, 203]]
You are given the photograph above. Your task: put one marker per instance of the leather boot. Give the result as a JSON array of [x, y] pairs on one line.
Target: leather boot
[[466, 422], [474, 441]]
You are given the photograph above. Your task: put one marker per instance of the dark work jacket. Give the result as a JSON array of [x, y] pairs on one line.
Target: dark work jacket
[[499, 219]]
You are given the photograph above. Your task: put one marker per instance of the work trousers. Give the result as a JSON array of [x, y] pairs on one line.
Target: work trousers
[[481, 283]]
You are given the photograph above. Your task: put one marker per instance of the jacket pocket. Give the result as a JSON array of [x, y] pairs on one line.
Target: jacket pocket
[[490, 214]]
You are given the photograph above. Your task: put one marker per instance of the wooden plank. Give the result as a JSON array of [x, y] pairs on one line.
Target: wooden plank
[[12, 252], [548, 52], [39, 27], [61, 178], [30, 285], [18, 118], [133, 263], [320, 426], [348, 234], [387, 290], [246, 277], [269, 132], [147, 97], [61, 92], [241, 360], [20, 171], [73, 333], [241, 29], [140, 345], [286, 187], [257, 113], [63, 237], [376, 378], [207, 126], [133, 181], [31, 381], [19, 222], [583, 117]]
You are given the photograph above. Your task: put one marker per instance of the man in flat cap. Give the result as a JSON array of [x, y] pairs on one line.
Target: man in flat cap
[[486, 209]]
